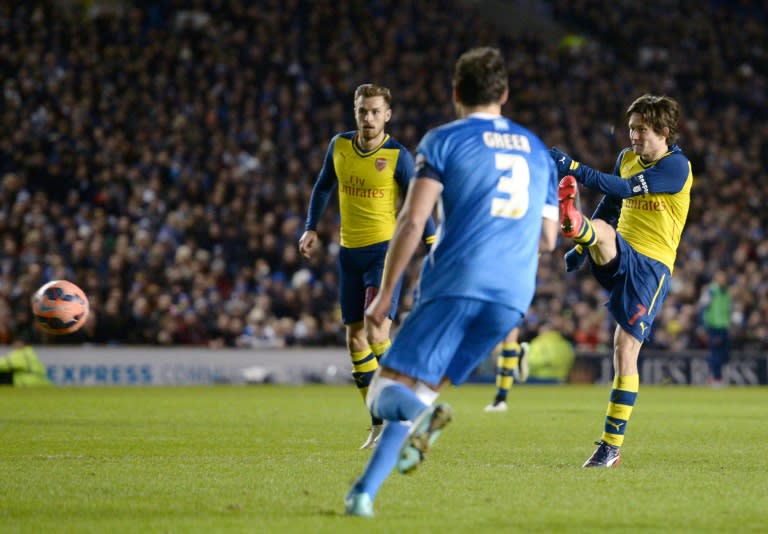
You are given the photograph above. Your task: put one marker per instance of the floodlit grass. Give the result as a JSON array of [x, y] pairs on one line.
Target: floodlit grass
[[280, 459]]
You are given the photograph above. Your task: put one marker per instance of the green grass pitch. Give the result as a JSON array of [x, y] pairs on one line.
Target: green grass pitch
[[280, 459]]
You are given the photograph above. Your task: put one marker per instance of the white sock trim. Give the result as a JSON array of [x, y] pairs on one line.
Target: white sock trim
[[426, 394], [423, 392], [377, 385]]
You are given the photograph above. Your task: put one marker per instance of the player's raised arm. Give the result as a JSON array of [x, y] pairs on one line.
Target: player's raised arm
[[668, 175]]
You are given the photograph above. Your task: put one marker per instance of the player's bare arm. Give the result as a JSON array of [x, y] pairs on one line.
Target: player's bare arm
[[549, 229], [417, 208]]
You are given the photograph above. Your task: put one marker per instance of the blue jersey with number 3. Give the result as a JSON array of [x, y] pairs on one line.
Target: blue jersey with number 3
[[498, 179]]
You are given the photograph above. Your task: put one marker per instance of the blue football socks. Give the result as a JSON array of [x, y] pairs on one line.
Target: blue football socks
[[383, 459], [397, 402]]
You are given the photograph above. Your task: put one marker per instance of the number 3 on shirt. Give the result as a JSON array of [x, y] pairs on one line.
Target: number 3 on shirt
[[514, 185]]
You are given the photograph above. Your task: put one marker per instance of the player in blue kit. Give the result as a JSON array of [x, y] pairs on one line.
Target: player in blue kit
[[370, 171], [490, 179]]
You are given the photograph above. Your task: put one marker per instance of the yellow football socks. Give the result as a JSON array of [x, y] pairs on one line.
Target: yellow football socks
[[623, 396], [364, 364], [506, 363], [586, 236], [380, 348]]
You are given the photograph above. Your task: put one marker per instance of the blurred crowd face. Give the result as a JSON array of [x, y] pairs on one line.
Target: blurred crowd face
[[372, 114], [721, 278], [646, 143]]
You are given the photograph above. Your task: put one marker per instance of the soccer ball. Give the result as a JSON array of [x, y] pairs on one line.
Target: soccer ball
[[60, 307]]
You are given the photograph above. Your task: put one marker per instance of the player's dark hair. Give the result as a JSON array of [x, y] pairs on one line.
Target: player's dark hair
[[658, 112], [480, 76], [368, 90]]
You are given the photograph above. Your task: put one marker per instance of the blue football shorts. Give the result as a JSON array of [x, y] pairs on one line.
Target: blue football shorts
[[449, 337], [360, 271], [637, 286]]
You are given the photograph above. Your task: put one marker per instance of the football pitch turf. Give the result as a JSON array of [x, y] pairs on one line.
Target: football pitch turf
[[268, 459]]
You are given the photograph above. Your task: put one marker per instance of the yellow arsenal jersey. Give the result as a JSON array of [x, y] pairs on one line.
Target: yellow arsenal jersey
[[368, 190], [652, 223]]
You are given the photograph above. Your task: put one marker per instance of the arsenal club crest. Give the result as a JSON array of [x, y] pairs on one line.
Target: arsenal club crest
[[381, 164]]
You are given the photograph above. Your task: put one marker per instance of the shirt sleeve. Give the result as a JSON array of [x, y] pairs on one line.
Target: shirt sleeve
[[609, 207], [324, 186], [667, 176], [551, 209]]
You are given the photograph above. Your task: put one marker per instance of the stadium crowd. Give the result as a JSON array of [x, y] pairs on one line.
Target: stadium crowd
[[162, 157]]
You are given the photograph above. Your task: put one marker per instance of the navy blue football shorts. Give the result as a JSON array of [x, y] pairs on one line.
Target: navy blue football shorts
[[360, 271], [449, 337], [637, 287]]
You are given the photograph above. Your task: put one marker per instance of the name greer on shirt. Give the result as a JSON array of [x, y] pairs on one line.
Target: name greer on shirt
[[506, 141]]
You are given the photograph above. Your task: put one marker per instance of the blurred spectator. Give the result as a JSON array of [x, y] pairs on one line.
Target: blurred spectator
[[550, 357], [716, 305]]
